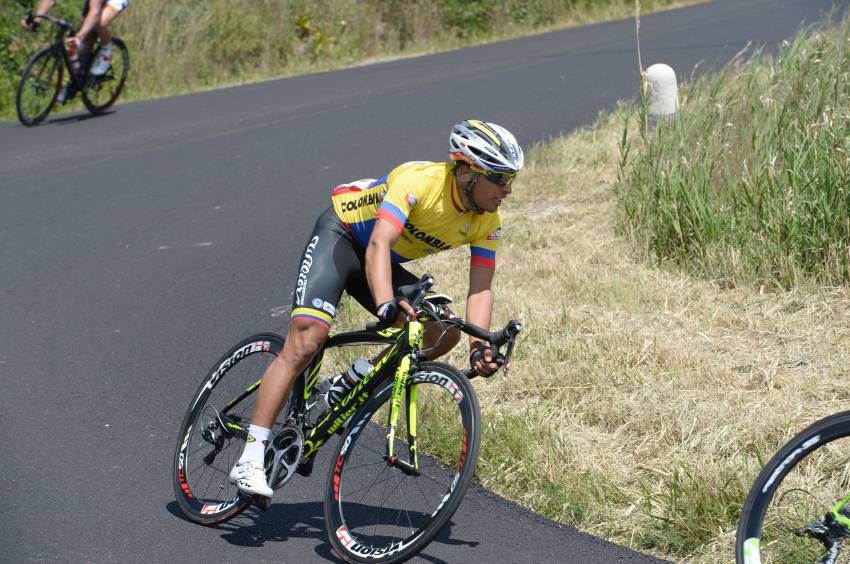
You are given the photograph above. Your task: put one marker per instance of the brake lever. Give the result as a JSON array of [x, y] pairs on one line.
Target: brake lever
[[506, 359]]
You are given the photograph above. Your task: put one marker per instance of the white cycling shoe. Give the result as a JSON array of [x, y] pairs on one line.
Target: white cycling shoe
[[250, 478], [102, 64]]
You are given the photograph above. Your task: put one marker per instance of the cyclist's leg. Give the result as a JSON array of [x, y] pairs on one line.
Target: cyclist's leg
[[90, 18], [321, 275], [111, 10], [322, 270], [302, 342]]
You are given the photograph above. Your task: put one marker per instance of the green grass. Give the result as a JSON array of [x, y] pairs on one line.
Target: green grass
[[179, 46], [749, 183]]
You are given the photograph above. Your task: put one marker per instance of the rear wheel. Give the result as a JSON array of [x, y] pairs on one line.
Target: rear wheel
[[39, 86], [100, 92], [211, 437], [380, 510]]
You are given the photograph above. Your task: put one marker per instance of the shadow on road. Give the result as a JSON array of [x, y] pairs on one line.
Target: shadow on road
[[285, 521], [73, 118]]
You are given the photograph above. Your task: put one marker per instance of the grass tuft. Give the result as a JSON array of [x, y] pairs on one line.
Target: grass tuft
[[749, 183]]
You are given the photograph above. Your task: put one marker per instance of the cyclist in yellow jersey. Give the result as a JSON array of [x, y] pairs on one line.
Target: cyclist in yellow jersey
[[359, 244], [431, 189]]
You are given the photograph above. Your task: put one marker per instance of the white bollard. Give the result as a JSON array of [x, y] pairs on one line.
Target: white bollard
[[663, 91]]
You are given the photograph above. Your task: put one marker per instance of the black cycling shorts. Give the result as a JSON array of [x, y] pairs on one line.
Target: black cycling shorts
[[333, 261]]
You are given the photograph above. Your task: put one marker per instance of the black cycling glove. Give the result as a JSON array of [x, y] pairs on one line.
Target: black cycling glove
[[476, 355], [388, 311]]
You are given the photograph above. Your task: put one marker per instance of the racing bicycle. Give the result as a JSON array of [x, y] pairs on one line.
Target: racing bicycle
[[797, 508], [410, 433], [42, 78]]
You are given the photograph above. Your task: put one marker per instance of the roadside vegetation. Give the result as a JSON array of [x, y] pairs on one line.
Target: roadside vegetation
[[750, 183], [187, 45], [686, 304]]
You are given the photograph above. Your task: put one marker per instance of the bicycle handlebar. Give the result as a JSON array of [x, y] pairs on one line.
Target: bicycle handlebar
[[64, 24], [415, 295]]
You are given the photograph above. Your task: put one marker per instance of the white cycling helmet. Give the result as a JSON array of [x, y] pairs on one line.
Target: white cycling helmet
[[487, 146]]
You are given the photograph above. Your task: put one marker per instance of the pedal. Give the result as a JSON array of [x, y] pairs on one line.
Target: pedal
[[259, 501]]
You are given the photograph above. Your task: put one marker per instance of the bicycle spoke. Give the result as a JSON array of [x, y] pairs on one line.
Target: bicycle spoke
[[368, 488], [381, 506], [424, 497], [368, 465], [403, 505]]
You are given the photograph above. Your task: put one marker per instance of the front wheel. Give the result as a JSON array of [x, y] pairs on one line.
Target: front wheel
[[386, 510], [213, 432], [100, 92], [39, 86], [787, 516]]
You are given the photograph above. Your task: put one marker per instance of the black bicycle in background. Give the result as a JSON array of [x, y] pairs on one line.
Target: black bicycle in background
[[410, 433], [43, 77]]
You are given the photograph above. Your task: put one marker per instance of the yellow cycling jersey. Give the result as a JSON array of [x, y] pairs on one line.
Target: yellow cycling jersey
[[421, 200]]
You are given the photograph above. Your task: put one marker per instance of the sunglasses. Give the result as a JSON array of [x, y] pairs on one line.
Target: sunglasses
[[497, 178]]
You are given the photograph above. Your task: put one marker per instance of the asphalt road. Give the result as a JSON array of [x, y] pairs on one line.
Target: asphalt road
[[138, 246]]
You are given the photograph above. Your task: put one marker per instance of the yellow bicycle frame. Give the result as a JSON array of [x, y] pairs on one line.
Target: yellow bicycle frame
[[414, 335]]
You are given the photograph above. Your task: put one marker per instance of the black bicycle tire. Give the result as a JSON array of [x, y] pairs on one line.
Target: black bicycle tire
[[24, 119], [194, 509], [333, 521], [813, 437], [118, 43]]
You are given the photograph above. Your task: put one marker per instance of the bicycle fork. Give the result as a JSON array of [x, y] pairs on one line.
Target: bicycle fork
[[400, 390]]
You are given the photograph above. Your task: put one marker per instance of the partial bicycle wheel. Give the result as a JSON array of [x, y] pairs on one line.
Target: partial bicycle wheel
[[787, 515], [380, 510], [100, 92], [207, 445], [39, 86]]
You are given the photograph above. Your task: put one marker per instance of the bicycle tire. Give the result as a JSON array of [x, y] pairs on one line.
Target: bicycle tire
[[359, 533], [100, 92], [45, 88], [201, 486], [809, 461]]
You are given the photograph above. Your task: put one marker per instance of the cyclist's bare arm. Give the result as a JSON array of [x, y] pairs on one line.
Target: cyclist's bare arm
[[43, 7], [378, 264], [479, 310]]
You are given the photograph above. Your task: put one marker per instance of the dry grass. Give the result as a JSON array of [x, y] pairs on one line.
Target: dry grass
[[640, 400]]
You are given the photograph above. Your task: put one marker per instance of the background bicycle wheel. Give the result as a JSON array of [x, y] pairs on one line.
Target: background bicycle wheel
[[814, 482]]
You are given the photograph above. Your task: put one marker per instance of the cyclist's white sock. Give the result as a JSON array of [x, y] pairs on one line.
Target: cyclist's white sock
[[255, 448], [106, 48]]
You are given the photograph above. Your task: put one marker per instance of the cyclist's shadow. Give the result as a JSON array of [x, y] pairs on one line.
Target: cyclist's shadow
[[77, 116], [284, 521]]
